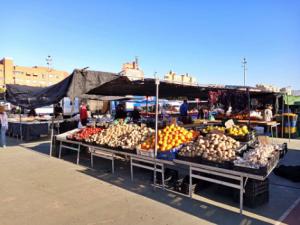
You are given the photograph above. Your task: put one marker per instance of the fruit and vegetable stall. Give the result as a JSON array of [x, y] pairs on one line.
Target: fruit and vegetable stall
[[223, 152], [231, 156]]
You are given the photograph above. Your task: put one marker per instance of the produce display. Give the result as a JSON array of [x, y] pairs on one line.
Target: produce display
[[213, 147], [122, 135], [258, 156], [237, 130], [210, 128], [84, 133], [170, 137]]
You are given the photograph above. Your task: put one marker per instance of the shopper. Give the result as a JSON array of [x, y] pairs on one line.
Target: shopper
[[268, 114], [135, 114], [4, 125], [83, 114], [32, 113], [58, 110], [120, 112]]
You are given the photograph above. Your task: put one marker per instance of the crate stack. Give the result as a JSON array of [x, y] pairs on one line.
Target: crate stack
[[256, 193]]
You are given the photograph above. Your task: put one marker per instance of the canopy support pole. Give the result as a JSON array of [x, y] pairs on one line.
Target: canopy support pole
[[21, 133], [156, 127], [249, 106], [288, 110], [52, 133], [282, 117], [146, 105]]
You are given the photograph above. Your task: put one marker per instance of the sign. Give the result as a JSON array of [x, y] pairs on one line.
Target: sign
[[229, 123], [264, 140]]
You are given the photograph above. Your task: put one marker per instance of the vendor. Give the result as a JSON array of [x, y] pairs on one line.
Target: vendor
[[32, 113], [83, 114], [268, 114], [184, 111], [135, 114], [120, 112], [58, 110]]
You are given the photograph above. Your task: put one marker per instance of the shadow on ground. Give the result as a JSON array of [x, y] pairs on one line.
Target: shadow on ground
[[215, 204]]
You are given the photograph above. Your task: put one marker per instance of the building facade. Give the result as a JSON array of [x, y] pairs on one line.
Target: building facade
[[180, 79], [32, 76], [132, 70]]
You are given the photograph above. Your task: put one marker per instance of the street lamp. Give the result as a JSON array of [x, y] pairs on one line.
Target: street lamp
[[244, 63]]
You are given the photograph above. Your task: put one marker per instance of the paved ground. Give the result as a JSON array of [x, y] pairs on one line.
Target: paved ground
[[36, 189]]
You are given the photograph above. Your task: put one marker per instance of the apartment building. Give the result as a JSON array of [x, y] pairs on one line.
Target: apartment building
[[32, 76]]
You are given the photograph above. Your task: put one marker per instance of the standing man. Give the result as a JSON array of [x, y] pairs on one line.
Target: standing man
[[58, 110], [83, 114], [184, 111]]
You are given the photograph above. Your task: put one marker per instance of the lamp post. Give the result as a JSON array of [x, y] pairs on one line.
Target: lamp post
[[49, 63], [244, 63]]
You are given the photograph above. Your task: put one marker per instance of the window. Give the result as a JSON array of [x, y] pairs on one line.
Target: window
[[16, 72], [28, 74], [35, 75]]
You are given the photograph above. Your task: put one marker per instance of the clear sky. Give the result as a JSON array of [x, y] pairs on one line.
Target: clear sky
[[207, 39]]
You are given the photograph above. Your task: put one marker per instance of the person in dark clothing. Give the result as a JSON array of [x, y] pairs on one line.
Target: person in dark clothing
[[58, 110], [184, 112], [120, 112], [32, 113], [135, 115]]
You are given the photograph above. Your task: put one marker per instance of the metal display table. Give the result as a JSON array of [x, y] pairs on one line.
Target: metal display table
[[198, 171], [28, 131], [62, 138]]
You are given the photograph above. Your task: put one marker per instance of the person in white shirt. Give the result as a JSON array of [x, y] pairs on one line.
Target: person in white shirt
[[268, 114], [4, 125]]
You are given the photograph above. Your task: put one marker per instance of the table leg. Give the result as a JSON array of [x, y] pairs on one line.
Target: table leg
[[276, 131], [272, 132], [163, 176], [113, 165], [190, 186], [154, 175], [78, 155], [59, 154], [131, 169], [241, 194], [92, 160]]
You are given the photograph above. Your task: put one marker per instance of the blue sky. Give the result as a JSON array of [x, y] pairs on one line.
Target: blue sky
[[207, 39]]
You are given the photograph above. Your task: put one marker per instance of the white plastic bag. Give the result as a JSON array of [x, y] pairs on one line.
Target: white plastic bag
[[79, 125]]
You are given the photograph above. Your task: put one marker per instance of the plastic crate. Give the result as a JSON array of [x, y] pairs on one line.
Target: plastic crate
[[185, 185], [256, 187], [171, 176], [253, 201], [168, 155], [196, 159], [283, 151], [147, 153]]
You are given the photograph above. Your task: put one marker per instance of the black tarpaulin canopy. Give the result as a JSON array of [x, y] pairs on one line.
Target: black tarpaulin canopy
[[123, 86], [75, 85]]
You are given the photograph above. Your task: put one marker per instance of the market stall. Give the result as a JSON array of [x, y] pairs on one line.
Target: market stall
[[216, 153], [228, 159]]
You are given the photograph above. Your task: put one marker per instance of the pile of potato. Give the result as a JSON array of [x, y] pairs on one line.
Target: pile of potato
[[219, 148], [192, 149], [122, 135], [213, 147]]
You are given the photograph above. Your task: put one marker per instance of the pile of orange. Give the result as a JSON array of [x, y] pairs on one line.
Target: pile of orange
[[170, 137]]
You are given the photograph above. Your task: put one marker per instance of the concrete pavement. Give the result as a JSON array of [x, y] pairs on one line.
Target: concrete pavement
[[36, 189]]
